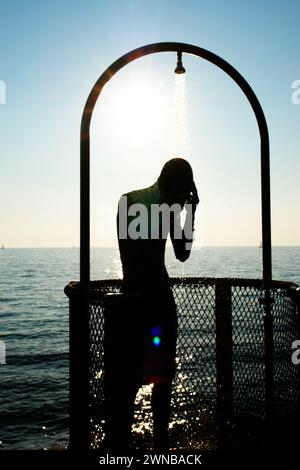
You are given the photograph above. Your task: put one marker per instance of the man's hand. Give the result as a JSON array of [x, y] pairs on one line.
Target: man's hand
[[192, 200]]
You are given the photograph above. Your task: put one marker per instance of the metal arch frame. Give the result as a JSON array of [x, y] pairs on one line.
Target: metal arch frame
[[265, 186], [85, 147]]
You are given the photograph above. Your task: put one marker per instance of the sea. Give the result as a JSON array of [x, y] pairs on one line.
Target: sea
[[34, 326]]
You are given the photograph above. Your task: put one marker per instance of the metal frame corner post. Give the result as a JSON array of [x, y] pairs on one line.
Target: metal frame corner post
[[79, 375]]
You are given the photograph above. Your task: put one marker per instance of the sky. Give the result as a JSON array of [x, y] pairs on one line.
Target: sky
[[51, 54]]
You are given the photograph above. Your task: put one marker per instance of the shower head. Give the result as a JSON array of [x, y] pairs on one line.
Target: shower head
[[179, 67]]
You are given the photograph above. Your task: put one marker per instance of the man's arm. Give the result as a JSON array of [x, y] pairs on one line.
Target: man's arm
[[182, 238]]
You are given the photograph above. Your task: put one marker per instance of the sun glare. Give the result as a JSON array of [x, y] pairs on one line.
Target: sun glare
[[138, 110]]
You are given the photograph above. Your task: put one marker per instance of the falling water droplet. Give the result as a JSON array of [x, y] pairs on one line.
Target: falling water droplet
[[181, 288]]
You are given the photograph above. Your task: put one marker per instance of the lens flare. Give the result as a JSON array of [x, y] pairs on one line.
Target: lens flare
[[156, 335]]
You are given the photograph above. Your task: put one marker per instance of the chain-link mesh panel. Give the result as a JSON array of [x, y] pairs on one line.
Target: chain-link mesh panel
[[96, 294], [285, 372], [248, 352], [195, 390]]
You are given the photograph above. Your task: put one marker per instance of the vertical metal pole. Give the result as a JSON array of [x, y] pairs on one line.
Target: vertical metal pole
[[79, 371], [224, 358], [266, 299], [79, 378], [79, 313], [85, 201], [266, 206]]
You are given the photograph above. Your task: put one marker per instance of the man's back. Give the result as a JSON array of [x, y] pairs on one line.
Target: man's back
[[142, 255]]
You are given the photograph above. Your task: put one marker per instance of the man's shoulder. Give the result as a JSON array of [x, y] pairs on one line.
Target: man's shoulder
[[136, 193], [140, 195], [132, 196]]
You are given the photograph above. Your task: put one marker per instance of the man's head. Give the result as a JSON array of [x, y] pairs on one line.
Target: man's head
[[175, 181]]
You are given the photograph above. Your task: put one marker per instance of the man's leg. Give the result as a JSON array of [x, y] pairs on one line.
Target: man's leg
[[119, 415], [161, 408]]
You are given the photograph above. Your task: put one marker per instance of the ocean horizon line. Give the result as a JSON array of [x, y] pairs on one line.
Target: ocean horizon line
[[195, 247]]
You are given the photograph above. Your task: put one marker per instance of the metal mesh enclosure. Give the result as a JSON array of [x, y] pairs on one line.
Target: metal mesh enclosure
[[286, 374], [220, 360], [248, 352]]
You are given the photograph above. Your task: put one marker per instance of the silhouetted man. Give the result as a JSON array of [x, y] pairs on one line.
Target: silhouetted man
[[144, 349]]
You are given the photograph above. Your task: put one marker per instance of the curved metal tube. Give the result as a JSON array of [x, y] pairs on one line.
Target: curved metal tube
[[85, 147]]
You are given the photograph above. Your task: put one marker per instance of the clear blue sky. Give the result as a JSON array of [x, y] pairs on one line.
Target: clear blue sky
[[52, 52]]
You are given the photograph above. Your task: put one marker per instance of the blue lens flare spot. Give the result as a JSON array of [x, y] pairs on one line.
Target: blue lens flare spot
[[156, 341], [155, 331]]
